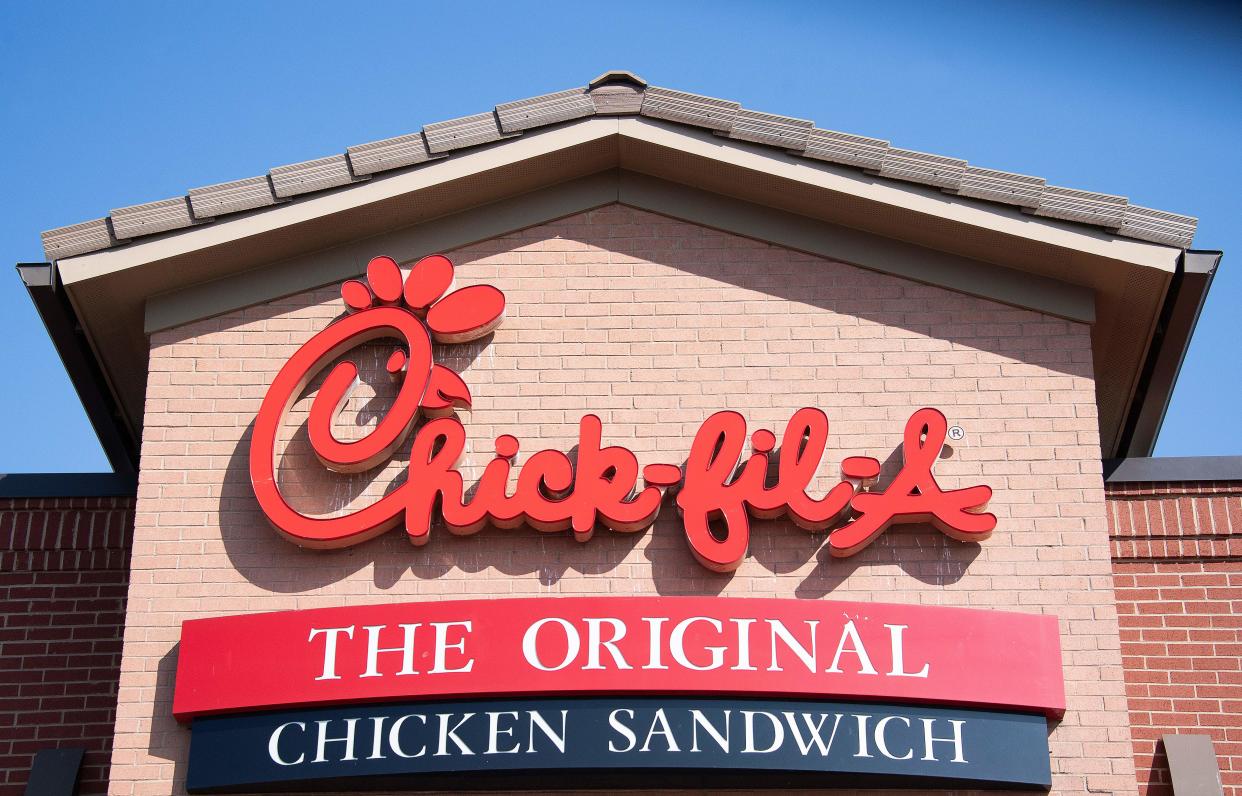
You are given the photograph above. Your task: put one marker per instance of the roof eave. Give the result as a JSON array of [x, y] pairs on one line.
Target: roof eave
[[116, 437], [1073, 253], [614, 94], [903, 195]]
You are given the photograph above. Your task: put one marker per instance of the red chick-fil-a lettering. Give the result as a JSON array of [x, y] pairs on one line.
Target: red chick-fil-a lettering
[[724, 483]]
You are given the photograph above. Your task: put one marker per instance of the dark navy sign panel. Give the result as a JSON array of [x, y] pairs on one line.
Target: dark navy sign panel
[[534, 742]]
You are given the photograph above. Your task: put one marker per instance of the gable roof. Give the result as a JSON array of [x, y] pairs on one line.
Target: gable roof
[[617, 140], [620, 93]]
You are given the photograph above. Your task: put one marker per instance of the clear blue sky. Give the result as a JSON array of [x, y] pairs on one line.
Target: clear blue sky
[[104, 105]]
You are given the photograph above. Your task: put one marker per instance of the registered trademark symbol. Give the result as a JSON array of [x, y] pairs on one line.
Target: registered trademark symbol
[[956, 433]]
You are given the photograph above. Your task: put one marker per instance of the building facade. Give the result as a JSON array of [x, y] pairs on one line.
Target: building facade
[[983, 359]]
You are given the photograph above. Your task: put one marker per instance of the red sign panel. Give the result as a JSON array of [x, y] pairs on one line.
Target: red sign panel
[[634, 645]]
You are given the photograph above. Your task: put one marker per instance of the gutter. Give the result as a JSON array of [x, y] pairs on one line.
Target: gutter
[[1182, 305], [102, 409]]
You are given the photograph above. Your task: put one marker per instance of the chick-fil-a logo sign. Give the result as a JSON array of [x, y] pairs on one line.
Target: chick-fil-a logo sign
[[718, 490]]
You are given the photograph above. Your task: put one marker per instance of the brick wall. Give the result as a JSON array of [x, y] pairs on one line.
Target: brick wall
[[1178, 573], [653, 325], [64, 569]]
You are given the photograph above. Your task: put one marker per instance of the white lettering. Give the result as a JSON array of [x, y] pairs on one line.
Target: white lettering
[[377, 737], [621, 728], [329, 648], [813, 731], [321, 746], [779, 631], [530, 644], [881, 742], [595, 643], [446, 734], [394, 735], [442, 647], [777, 729], [494, 732], [699, 720], [374, 649], [743, 645], [850, 633], [655, 660], [862, 734], [665, 730], [956, 740], [273, 744], [899, 656], [537, 720], [677, 644]]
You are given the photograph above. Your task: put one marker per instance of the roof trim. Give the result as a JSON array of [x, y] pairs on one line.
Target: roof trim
[[1171, 340], [999, 218], [623, 93], [119, 442], [1129, 277], [926, 201], [323, 204]]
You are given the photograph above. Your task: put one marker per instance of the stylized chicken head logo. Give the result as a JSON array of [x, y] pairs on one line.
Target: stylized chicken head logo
[[413, 310], [457, 317]]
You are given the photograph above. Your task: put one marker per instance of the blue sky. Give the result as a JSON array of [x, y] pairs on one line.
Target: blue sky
[[105, 105]]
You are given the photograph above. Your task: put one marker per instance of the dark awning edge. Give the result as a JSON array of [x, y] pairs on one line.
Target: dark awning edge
[[102, 409], [16, 486], [1170, 469], [1170, 341]]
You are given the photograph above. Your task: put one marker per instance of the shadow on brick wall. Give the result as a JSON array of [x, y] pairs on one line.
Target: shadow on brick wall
[[934, 312], [167, 739], [1159, 780]]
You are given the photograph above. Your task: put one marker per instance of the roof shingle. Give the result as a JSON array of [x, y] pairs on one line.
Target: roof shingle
[[611, 94], [151, 218], [391, 153], [481, 128], [312, 175], [231, 197]]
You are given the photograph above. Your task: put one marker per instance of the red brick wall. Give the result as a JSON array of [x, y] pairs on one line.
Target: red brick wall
[[1177, 570], [64, 571]]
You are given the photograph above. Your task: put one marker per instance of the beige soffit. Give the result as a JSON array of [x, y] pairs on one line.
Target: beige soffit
[[1128, 278], [874, 252], [621, 93]]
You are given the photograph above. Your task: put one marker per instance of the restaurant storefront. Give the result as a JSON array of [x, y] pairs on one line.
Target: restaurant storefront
[[626, 438]]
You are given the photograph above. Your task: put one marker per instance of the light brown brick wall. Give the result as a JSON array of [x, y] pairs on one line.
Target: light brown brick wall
[[652, 324], [1178, 576]]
